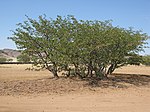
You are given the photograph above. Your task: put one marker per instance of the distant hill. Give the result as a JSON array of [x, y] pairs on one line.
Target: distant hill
[[9, 54]]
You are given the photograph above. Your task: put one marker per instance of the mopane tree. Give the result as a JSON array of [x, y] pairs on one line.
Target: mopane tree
[[86, 48], [101, 48], [125, 45], [39, 39], [45, 41]]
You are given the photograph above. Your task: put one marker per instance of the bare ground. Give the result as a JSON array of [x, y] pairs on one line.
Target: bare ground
[[128, 90]]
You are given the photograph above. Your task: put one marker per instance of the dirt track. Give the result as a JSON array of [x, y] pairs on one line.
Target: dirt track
[[81, 98]]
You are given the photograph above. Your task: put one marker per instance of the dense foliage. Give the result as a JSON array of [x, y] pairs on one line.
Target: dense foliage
[[80, 48]]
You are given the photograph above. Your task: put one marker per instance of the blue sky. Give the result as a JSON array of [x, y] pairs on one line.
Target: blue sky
[[124, 13]]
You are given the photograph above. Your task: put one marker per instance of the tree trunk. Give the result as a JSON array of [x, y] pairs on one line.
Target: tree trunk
[[77, 72], [53, 70], [111, 68], [89, 73], [69, 72], [90, 69], [56, 75]]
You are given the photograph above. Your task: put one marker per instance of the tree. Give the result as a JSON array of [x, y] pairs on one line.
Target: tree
[[23, 58], [134, 59], [125, 46], [42, 41], [88, 48], [146, 60]]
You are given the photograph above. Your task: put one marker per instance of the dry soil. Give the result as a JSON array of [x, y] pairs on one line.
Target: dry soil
[[128, 90]]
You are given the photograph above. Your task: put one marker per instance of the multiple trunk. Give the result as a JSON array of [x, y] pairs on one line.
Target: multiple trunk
[[90, 72]]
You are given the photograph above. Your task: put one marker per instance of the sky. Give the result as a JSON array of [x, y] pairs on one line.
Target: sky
[[124, 13]]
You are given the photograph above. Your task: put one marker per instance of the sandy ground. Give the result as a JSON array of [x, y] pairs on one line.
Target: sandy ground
[[143, 70], [132, 99], [18, 72]]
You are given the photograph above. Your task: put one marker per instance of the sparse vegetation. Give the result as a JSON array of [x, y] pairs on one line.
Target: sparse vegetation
[[146, 60], [9, 60], [3, 59], [23, 58]]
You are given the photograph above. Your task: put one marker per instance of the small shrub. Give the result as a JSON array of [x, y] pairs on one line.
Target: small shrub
[[3, 59], [146, 60]]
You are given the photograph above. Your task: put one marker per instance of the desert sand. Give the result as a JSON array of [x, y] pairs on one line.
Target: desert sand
[[72, 96]]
